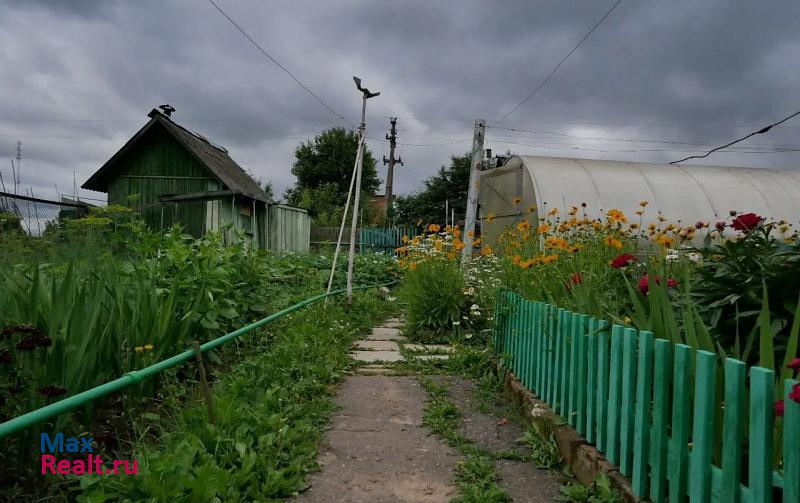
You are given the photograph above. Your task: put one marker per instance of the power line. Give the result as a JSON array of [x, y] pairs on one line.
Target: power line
[[555, 69], [760, 131], [567, 147], [290, 74]]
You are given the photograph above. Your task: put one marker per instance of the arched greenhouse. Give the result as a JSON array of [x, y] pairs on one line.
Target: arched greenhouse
[[527, 187]]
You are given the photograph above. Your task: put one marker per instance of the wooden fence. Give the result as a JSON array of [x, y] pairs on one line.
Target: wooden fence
[[649, 405], [369, 239]]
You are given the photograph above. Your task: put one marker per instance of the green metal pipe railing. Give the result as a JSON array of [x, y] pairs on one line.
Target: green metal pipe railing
[[37, 416]]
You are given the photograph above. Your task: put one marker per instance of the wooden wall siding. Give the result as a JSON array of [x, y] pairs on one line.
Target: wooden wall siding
[[159, 165], [649, 405], [288, 228]]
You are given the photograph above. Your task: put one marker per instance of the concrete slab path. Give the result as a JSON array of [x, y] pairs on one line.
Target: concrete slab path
[[377, 449]]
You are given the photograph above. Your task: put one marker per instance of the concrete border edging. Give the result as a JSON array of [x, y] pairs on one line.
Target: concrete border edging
[[583, 459]]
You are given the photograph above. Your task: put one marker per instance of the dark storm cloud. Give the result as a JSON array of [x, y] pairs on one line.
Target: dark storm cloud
[[81, 75]]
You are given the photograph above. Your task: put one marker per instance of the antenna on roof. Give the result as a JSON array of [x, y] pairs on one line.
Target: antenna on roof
[[167, 109]]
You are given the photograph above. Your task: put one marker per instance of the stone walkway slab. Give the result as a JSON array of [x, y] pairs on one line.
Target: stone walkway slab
[[384, 334], [429, 347], [377, 449], [377, 356], [378, 345], [431, 357]]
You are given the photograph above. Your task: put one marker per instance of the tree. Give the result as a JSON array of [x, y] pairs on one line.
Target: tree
[[449, 184], [323, 168]]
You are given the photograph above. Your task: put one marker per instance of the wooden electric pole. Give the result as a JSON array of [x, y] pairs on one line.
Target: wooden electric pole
[[392, 137], [474, 189]]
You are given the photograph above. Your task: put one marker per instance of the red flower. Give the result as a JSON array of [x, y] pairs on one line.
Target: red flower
[[576, 278], [779, 408], [795, 393], [746, 222], [794, 365], [644, 283], [623, 260]]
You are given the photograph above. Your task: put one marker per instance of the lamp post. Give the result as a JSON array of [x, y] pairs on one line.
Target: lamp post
[[362, 133]]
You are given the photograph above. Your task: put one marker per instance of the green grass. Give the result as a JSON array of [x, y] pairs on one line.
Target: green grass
[[476, 476], [272, 408]]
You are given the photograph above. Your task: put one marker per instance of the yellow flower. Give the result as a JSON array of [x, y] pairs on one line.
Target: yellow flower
[[664, 240], [639, 212], [413, 266], [516, 200], [458, 244], [576, 248], [438, 245], [416, 241], [524, 226], [553, 212], [543, 229], [486, 251], [456, 232], [401, 250], [138, 349], [516, 260], [612, 242], [531, 208], [148, 347], [525, 264], [628, 320], [490, 217], [643, 203], [434, 227], [471, 234], [451, 255], [634, 226], [573, 211], [405, 239], [476, 242], [616, 215]]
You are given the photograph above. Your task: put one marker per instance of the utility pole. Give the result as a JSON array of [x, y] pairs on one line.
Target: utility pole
[[474, 189], [362, 133], [390, 161]]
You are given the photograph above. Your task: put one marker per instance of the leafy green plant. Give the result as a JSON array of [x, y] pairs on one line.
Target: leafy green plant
[[601, 491], [433, 293], [541, 441]]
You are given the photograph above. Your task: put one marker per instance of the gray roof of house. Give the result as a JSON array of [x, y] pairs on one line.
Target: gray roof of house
[[214, 158]]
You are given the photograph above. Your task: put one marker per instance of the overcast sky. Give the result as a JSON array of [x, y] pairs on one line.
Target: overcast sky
[[80, 76]]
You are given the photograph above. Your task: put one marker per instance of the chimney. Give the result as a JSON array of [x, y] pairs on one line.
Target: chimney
[[167, 110]]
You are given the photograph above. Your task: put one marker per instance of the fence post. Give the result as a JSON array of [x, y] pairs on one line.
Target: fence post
[[679, 448], [791, 446], [762, 396], [641, 439], [614, 395], [602, 387], [703, 428], [661, 386], [733, 430], [591, 380], [628, 396], [581, 340]]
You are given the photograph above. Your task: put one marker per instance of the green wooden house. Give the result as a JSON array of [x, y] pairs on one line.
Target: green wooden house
[[170, 174]]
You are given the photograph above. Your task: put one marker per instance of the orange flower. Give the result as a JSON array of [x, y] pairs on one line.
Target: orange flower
[[458, 244], [434, 227], [516, 200], [553, 212], [531, 208], [524, 226], [451, 255], [616, 215], [516, 260], [413, 266], [405, 239], [543, 229], [490, 217], [486, 251]]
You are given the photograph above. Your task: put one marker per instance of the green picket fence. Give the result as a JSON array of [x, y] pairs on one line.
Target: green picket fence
[[648, 405]]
